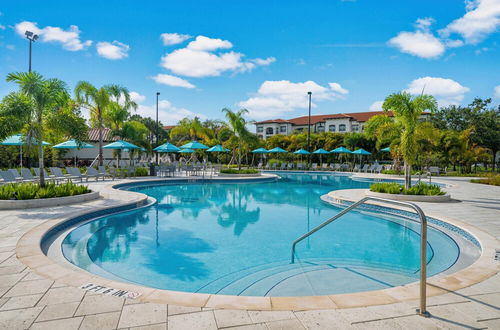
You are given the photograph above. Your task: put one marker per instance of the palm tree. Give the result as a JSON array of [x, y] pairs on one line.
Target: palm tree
[[47, 96], [237, 124], [98, 100], [190, 129], [407, 110]]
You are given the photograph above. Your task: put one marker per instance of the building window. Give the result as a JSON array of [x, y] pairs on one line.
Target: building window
[[331, 128], [342, 128], [321, 129], [355, 128], [260, 129], [269, 131], [260, 136], [282, 129]]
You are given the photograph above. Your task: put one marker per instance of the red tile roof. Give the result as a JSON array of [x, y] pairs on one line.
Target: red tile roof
[[169, 127], [272, 121]]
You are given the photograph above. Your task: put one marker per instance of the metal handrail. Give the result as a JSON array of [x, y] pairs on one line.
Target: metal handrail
[[423, 241]]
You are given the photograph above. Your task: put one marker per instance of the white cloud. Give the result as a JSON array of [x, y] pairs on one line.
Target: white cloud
[[276, 98], [497, 92], [70, 39], [376, 106], [112, 50], [481, 19], [173, 38], [170, 80], [199, 60], [168, 114], [136, 97], [202, 43], [10, 47], [446, 91], [2, 27], [421, 43]]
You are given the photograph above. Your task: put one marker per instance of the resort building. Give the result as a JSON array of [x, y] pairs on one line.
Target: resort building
[[338, 122]]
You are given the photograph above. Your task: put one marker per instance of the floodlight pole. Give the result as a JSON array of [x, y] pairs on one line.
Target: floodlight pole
[[309, 127], [32, 38], [157, 126]]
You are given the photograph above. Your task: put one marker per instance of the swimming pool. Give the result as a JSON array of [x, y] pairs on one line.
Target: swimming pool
[[235, 239]]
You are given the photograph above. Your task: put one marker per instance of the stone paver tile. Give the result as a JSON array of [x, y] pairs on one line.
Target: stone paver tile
[[99, 304], [379, 324], [160, 326], [3, 301], [32, 276], [11, 279], [176, 309], [21, 302], [4, 290], [62, 324], [323, 319], [12, 269], [416, 322], [478, 311], [142, 314], [5, 255], [269, 316], [448, 317], [102, 321], [29, 287], [231, 317], [19, 318], [285, 325], [491, 324], [62, 295], [58, 311], [192, 321], [258, 326]]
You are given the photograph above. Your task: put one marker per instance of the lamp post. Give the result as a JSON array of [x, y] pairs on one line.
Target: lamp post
[[157, 130], [32, 38], [309, 127]]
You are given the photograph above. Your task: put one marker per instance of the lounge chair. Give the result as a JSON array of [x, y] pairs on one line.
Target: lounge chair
[[314, 166], [58, 174], [46, 175], [76, 174], [337, 167], [92, 173], [301, 166], [104, 173], [8, 177], [15, 173], [356, 168], [27, 176], [289, 166], [434, 170], [378, 169], [365, 168], [324, 166]]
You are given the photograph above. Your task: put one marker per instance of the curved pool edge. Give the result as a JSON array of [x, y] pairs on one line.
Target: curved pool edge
[[29, 251]]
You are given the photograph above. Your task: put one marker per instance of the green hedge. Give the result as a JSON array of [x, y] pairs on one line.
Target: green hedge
[[492, 180], [236, 171], [396, 188], [141, 171], [23, 191]]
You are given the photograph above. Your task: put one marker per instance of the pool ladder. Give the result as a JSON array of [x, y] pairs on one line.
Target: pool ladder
[[423, 240]]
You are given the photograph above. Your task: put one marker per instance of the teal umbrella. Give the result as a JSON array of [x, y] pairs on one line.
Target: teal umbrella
[[302, 152], [194, 145], [187, 151], [341, 150], [320, 152], [361, 151], [167, 147], [218, 148], [120, 145], [18, 140], [72, 144], [277, 150], [260, 151], [387, 149]]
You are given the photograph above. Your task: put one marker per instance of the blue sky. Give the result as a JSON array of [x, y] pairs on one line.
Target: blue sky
[[262, 55]]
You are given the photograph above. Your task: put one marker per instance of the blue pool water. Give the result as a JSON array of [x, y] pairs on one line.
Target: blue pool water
[[235, 238]]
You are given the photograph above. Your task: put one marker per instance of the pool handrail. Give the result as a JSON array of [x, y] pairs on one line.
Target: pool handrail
[[423, 241]]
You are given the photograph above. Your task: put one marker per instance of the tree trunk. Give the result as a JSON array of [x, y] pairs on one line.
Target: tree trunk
[[407, 175], [40, 163], [101, 159], [239, 156]]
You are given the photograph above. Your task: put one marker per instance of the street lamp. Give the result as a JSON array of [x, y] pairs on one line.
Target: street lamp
[[157, 126], [32, 38], [309, 126]]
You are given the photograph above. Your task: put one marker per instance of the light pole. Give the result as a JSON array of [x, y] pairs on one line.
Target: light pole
[[32, 38], [309, 127], [157, 126]]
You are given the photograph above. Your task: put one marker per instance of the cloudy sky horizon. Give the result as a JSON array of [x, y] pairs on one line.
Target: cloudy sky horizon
[[264, 56]]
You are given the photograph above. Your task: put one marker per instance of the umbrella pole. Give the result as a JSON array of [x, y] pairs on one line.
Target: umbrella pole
[[21, 156]]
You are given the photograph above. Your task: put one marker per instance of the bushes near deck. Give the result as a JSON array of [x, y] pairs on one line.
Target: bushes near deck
[[24, 191], [493, 180], [236, 171], [396, 188]]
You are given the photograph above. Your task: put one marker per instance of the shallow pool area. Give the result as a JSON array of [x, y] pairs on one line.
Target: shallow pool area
[[235, 238]]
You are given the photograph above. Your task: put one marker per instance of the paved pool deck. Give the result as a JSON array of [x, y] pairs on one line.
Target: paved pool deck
[[29, 300]]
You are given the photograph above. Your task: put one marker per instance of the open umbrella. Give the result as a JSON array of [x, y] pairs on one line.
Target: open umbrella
[[387, 149], [218, 148], [194, 145], [186, 151], [277, 150], [18, 140], [341, 150], [167, 147], [301, 152], [120, 145], [320, 152], [72, 144], [361, 152], [260, 151]]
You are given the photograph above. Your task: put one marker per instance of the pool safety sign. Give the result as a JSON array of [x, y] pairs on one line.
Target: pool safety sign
[[109, 291]]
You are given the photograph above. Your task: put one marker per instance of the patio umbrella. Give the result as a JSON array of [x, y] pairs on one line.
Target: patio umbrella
[[167, 147], [277, 150], [72, 144], [218, 148], [17, 140], [341, 150], [387, 149], [260, 151], [194, 145], [302, 152], [186, 151], [361, 152], [120, 145], [320, 152]]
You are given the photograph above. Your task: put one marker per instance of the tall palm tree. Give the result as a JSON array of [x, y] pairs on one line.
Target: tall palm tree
[[190, 129], [237, 124], [46, 95], [98, 100], [407, 110]]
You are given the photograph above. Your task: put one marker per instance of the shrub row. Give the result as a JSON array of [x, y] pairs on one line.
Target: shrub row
[[236, 171], [396, 188], [23, 191]]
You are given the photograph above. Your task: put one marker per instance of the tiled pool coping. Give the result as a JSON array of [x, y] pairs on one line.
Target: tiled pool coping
[[30, 252]]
